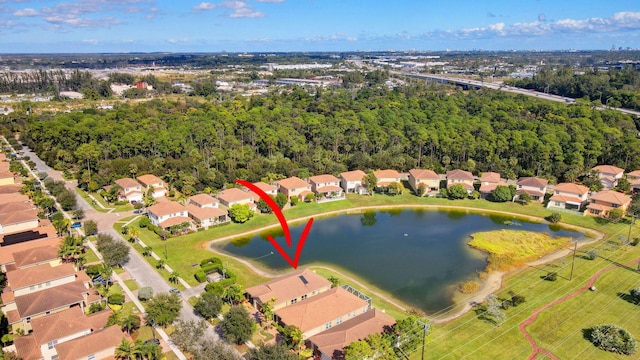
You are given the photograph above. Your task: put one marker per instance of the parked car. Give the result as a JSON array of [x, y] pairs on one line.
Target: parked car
[[100, 280], [175, 291]]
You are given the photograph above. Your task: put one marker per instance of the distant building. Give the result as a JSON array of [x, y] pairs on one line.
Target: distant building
[[429, 178]]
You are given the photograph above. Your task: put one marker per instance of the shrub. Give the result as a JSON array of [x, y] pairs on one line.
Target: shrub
[[116, 299], [215, 288], [592, 254], [200, 275], [554, 218], [552, 276], [635, 293], [613, 338], [516, 299], [469, 287], [144, 222], [294, 200], [93, 270], [145, 293], [213, 260], [95, 307]]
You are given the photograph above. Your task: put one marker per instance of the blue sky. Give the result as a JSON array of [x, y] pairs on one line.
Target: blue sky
[[42, 26]]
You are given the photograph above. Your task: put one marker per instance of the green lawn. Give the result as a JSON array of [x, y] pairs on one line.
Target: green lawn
[[90, 256], [132, 284]]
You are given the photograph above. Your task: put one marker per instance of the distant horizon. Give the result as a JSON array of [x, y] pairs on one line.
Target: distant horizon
[[254, 26]]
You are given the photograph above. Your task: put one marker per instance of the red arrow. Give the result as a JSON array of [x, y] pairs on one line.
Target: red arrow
[[283, 222]]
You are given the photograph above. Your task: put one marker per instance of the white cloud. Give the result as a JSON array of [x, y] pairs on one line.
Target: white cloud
[[177, 41], [91, 41], [335, 37], [204, 6], [26, 12], [270, 1], [239, 9]]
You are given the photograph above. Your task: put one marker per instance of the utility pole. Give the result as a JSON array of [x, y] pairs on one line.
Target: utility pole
[[573, 261], [425, 327]]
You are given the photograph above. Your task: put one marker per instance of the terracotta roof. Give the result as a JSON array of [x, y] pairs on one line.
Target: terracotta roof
[[166, 208], [149, 179], [598, 207], [608, 169], [424, 174], [566, 199], [571, 188], [530, 192], [16, 206], [265, 187], [175, 221], [27, 347], [18, 217], [205, 213], [325, 178], [35, 255], [7, 295], [11, 198], [491, 187], [492, 177], [289, 287], [67, 322], [612, 197], [326, 189], [386, 174], [6, 252], [127, 183], [6, 174], [203, 199], [90, 344], [13, 316], [50, 299], [355, 175], [235, 194], [464, 185], [10, 188], [460, 175], [533, 182], [319, 309], [332, 341], [292, 183], [635, 173], [38, 274]]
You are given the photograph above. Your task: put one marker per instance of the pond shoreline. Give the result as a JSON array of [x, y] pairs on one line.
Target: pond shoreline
[[489, 285]]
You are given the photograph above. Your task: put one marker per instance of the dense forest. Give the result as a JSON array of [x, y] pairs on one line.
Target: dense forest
[[615, 88], [195, 145]]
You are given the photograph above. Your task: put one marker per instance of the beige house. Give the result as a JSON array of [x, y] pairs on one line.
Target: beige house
[[204, 217], [327, 185], [386, 177], [39, 255], [13, 198], [203, 201], [634, 180], [233, 196], [429, 178], [323, 311], [461, 177], [100, 344], [6, 178], [36, 278], [535, 187], [149, 181], [489, 181], [604, 201], [351, 182], [267, 188], [569, 196], [18, 220], [609, 175], [329, 344], [288, 289], [10, 254], [167, 214], [130, 190], [294, 186]]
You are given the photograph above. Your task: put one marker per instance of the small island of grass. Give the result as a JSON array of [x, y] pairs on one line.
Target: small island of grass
[[509, 249]]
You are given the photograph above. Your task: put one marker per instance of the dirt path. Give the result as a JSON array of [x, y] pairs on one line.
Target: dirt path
[[492, 284], [534, 316]]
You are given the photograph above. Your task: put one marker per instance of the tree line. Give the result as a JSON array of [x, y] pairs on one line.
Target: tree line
[[198, 145]]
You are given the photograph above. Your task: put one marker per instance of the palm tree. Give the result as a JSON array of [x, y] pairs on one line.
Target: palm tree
[[124, 350], [106, 271], [160, 264], [129, 323], [234, 293], [147, 251], [133, 232], [174, 277], [267, 311]]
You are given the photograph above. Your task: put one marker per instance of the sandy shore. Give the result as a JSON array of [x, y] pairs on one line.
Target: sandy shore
[[490, 285]]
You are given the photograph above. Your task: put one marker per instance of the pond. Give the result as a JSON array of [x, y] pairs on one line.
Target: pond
[[414, 254]]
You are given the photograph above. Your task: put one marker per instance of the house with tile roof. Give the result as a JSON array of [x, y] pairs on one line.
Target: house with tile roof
[[604, 201], [329, 344], [6, 178], [236, 196], [327, 186], [203, 201], [40, 277], [489, 181], [609, 175], [634, 180], [323, 311], [425, 178], [11, 189], [7, 253], [17, 217], [58, 328], [386, 177], [534, 186], [267, 188], [96, 345], [130, 190], [205, 217], [569, 196], [150, 181], [464, 178], [167, 214], [38, 255], [13, 198], [294, 186], [351, 182], [288, 289]]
